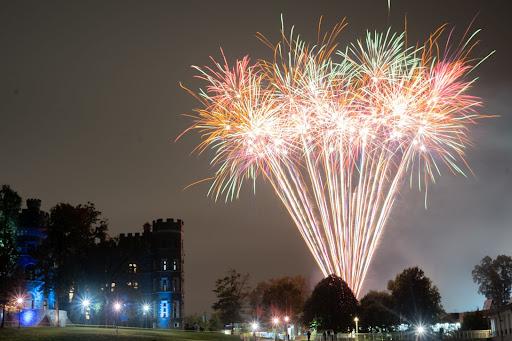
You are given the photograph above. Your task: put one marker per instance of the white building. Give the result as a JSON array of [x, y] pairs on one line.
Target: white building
[[501, 323]]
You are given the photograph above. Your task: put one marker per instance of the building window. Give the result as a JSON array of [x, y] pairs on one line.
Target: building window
[[112, 286], [164, 284], [71, 293], [134, 285], [164, 264], [175, 284], [175, 265], [164, 309], [132, 268]]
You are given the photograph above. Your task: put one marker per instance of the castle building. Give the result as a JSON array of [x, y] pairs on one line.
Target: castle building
[[142, 272], [147, 275]]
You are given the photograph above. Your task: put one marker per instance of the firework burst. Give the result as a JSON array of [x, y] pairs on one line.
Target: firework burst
[[336, 132]]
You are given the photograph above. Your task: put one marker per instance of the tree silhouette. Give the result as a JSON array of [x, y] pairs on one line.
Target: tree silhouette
[[494, 278], [10, 203], [231, 291], [332, 305], [376, 311], [415, 297]]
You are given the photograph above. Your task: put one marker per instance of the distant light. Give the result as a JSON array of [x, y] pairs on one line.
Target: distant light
[[420, 330], [86, 303], [286, 319], [19, 300], [356, 319], [254, 326], [145, 307], [117, 306], [275, 320]]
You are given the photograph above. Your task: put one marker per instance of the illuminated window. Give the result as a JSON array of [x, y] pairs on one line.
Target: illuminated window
[[132, 268], [71, 293], [164, 264], [164, 283], [112, 286], [164, 309], [175, 265], [133, 284]]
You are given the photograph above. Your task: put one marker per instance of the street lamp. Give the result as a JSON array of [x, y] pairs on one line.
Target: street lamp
[[356, 320], [117, 309], [420, 330], [86, 303], [145, 308], [254, 327], [286, 320], [275, 322], [19, 303], [145, 311]]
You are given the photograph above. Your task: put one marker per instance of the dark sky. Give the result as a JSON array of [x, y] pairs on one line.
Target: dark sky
[[90, 106]]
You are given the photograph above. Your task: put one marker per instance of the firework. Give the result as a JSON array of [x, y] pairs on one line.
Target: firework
[[336, 131]]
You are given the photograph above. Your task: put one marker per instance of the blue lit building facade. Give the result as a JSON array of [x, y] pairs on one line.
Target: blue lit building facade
[[31, 231]]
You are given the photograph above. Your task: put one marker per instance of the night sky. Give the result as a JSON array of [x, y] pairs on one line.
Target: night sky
[[90, 106]]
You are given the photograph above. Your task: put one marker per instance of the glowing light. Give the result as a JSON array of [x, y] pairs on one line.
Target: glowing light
[[275, 320], [28, 317], [117, 306], [286, 319], [336, 131], [145, 307], [356, 319], [420, 330], [86, 303], [19, 300], [254, 326]]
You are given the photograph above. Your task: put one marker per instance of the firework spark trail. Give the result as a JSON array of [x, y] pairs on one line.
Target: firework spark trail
[[337, 131]]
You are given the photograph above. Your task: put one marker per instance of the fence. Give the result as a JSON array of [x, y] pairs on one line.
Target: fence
[[458, 335]]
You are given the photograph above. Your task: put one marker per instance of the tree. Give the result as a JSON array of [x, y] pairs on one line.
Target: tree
[[279, 296], [494, 279], [332, 305], [475, 320], [195, 322], [376, 311], [10, 204], [231, 290], [415, 297], [73, 232], [256, 300]]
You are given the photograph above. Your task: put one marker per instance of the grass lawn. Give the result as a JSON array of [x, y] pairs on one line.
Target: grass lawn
[[90, 333]]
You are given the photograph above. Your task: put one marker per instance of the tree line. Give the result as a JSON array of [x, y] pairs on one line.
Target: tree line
[[331, 305], [411, 298]]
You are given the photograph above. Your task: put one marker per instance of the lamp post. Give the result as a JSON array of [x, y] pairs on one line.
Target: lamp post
[[117, 309], [19, 303], [420, 330], [145, 311], [286, 322], [275, 322], [356, 320], [86, 304], [254, 327]]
